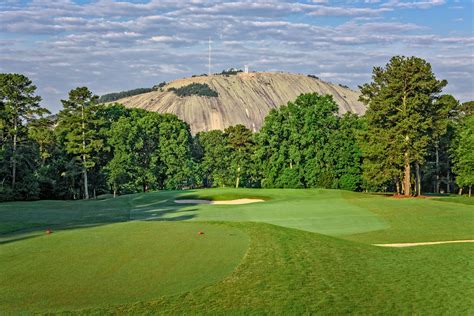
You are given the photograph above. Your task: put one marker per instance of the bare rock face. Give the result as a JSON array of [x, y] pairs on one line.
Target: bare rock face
[[245, 98]]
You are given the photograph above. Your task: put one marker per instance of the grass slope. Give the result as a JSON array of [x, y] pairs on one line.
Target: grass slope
[[115, 264], [288, 272]]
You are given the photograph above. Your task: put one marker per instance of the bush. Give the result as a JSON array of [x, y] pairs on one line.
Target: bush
[[159, 86], [123, 94], [230, 72], [289, 179], [199, 89], [349, 182]]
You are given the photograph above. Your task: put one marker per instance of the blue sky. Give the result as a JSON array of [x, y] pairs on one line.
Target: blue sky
[[112, 45]]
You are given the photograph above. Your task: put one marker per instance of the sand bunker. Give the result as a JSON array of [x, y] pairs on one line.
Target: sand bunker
[[412, 244], [229, 202]]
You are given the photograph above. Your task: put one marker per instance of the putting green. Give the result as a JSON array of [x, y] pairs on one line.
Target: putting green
[[117, 263], [320, 211]]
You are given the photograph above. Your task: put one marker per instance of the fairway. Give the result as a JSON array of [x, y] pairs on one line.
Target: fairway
[[307, 250]]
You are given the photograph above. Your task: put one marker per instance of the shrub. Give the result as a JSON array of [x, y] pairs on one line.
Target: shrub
[[230, 72], [199, 89], [123, 94], [159, 86]]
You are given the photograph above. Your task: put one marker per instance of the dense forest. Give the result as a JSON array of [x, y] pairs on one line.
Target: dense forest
[[412, 139]]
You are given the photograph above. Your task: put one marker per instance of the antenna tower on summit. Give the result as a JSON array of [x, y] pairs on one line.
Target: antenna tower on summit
[[209, 72]]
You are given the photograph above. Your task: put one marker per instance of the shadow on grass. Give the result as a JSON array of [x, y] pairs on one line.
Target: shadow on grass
[[26, 220]]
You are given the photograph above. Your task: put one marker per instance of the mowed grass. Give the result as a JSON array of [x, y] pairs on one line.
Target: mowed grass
[[116, 264], [293, 272], [306, 251]]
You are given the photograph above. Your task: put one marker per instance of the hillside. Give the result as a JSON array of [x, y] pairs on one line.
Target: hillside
[[245, 98]]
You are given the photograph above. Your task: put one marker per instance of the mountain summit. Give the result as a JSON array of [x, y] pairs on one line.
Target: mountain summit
[[241, 98]]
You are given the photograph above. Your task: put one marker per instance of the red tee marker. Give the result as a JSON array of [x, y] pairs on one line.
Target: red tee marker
[[200, 233]]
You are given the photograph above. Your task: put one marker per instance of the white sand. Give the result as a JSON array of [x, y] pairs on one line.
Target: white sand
[[229, 202], [412, 244]]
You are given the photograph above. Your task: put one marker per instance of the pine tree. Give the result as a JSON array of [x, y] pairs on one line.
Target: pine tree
[[19, 105], [81, 125], [400, 102]]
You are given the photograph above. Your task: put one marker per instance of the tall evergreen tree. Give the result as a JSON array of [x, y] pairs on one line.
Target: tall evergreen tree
[[81, 125], [400, 102], [19, 105]]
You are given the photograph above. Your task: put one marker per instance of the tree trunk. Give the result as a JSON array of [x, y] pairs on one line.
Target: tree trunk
[[460, 191], [115, 193], [237, 181], [86, 186], [407, 176], [437, 167], [418, 179], [448, 182], [397, 185], [15, 140], [470, 187]]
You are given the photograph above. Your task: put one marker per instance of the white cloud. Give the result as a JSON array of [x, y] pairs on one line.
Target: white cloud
[[115, 45]]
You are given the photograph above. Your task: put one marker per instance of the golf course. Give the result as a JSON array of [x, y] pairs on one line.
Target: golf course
[[292, 251]]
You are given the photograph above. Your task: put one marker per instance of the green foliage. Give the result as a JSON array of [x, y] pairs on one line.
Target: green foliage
[[111, 97], [214, 158], [80, 124], [19, 106], [230, 72], [199, 89], [150, 151], [241, 146], [305, 144], [467, 108], [226, 158], [159, 86], [400, 116], [175, 152], [463, 152]]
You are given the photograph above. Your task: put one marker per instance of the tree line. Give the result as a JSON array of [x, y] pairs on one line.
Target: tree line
[[412, 139]]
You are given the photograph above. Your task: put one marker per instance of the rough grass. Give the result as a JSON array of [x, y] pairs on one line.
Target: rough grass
[[115, 264]]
